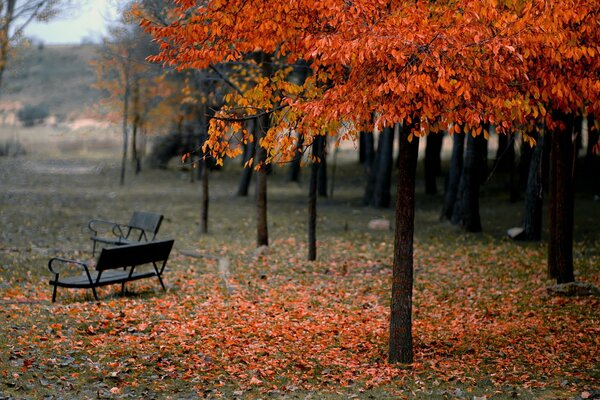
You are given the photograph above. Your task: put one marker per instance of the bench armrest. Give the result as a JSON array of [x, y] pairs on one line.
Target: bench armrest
[[65, 261], [95, 225]]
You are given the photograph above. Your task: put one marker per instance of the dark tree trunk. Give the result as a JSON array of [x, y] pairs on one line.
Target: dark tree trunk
[[505, 155], [505, 163], [318, 147], [378, 189], [262, 233], [205, 195], [295, 163], [482, 156], [525, 159], [401, 341], [135, 158], [250, 154], [560, 245], [125, 130], [466, 209], [134, 145], [592, 161], [322, 177], [456, 165], [369, 152], [362, 151], [534, 194], [433, 161]]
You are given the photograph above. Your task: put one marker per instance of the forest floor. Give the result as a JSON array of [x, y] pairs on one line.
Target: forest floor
[[236, 323]]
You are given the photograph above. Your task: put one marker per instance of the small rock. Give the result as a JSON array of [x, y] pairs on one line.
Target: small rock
[[261, 251], [379, 225]]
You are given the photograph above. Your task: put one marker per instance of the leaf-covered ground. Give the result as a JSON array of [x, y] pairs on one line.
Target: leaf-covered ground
[[240, 324]]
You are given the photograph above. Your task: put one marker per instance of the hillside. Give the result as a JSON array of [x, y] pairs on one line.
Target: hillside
[[57, 77]]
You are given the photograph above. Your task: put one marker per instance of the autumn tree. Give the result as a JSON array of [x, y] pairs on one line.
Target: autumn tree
[[424, 64], [129, 81], [562, 58]]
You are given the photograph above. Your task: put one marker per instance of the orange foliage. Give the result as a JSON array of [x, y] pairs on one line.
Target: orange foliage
[[499, 62]]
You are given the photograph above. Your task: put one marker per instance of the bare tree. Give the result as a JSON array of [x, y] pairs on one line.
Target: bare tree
[[15, 15]]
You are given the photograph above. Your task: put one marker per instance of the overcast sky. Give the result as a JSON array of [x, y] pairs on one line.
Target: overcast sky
[[87, 19]]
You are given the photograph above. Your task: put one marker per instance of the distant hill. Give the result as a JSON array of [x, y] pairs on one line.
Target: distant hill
[[56, 77]]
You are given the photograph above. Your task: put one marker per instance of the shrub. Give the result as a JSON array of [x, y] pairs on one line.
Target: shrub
[[31, 115]]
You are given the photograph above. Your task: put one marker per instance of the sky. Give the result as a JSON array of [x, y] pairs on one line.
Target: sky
[[86, 19]]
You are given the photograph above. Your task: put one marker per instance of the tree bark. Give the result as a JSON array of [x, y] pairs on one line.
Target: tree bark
[[433, 161], [560, 245], [322, 176], [456, 165], [534, 194], [295, 163], [205, 195], [401, 341], [317, 152], [125, 121], [369, 152], [378, 189], [262, 233], [524, 161], [592, 161], [246, 177], [466, 209]]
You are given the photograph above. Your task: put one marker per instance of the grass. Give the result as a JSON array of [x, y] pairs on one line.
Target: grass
[[236, 324], [58, 77]]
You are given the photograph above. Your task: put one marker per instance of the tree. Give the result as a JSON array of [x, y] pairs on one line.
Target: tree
[[448, 62], [121, 71], [15, 15]]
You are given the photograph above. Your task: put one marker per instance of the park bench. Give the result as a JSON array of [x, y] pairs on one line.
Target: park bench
[[143, 226], [120, 264]]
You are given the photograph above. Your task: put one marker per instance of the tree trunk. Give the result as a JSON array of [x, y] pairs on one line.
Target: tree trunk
[[560, 245], [262, 233], [401, 342], [592, 161], [247, 171], [525, 159], [135, 158], [505, 155], [456, 165], [379, 185], [482, 156], [433, 161], [466, 209], [369, 152], [317, 152], [205, 195], [295, 163], [534, 194], [125, 121], [322, 177], [137, 164]]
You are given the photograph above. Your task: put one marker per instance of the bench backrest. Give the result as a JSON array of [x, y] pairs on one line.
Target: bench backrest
[[134, 254], [146, 222]]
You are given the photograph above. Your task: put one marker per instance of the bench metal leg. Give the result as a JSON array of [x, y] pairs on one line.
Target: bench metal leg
[[161, 283], [95, 294], [54, 293], [122, 288]]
